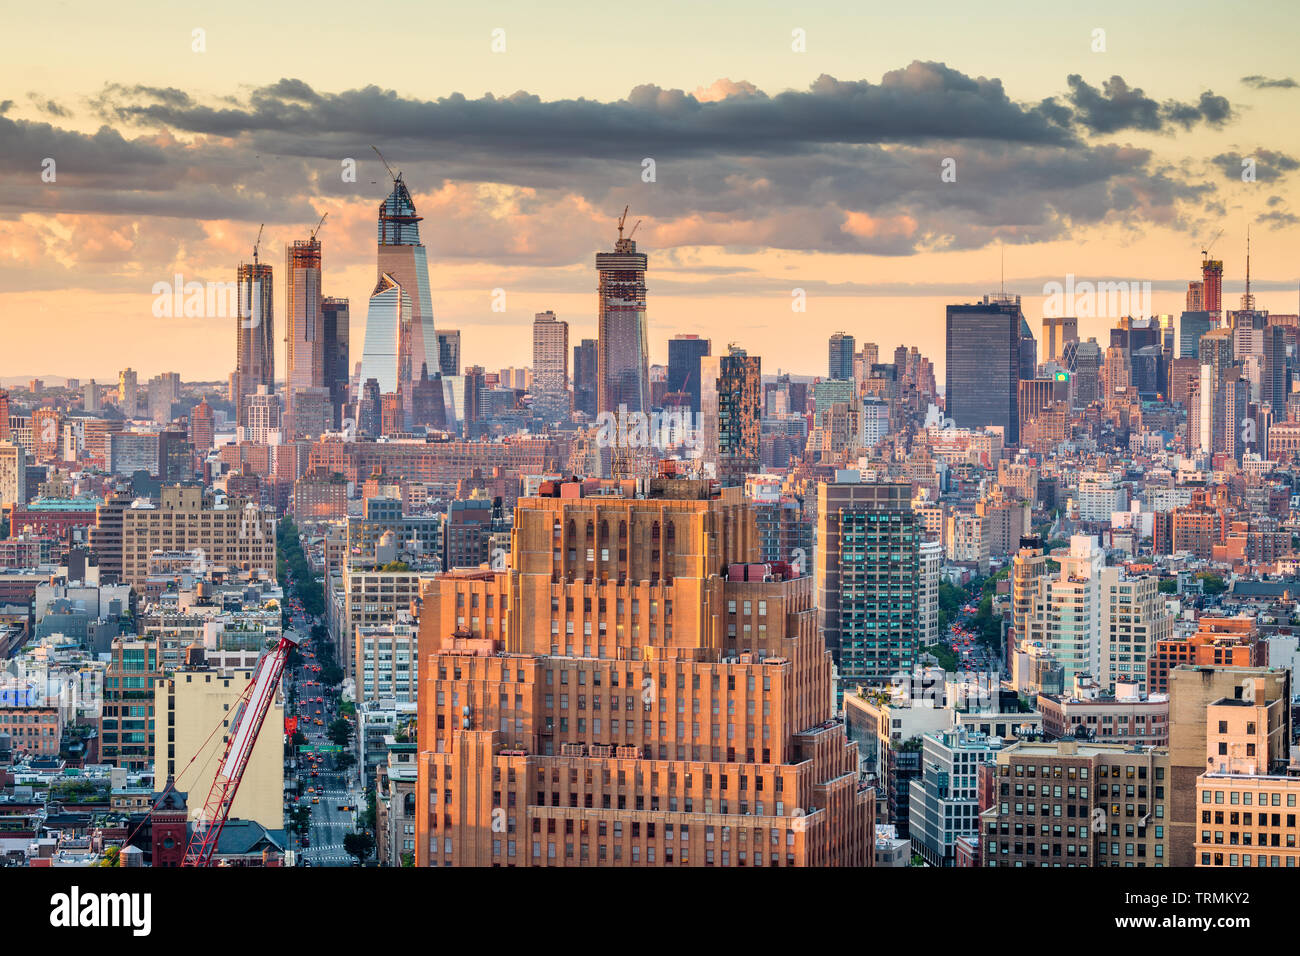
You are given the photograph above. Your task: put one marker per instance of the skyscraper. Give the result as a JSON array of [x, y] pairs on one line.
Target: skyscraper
[[584, 377], [604, 760], [1212, 287], [128, 393], [841, 351], [336, 325], [622, 354], [551, 398], [1192, 324], [304, 333], [684, 354], [388, 322], [1057, 330], [984, 365], [867, 568], [449, 352], [254, 334], [402, 258], [731, 409]]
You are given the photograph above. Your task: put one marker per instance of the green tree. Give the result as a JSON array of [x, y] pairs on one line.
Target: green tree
[[408, 858], [340, 731], [360, 844], [1168, 585]]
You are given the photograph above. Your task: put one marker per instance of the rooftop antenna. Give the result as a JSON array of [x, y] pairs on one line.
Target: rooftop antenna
[[1248, 300], [1002, 250], [396, 176]]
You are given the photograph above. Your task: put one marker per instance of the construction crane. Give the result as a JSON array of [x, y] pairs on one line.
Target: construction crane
[[250, 712], [1205, 253], [258, 242], [622, 219], [318, 225], [396, 176], [633, 232]]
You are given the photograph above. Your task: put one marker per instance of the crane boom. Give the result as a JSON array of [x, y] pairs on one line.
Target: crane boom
[[249, 716]]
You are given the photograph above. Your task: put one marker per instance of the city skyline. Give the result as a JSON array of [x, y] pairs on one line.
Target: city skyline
[[1109, 168]]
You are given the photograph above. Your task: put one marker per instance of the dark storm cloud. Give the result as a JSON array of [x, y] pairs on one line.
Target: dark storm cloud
[[1265, 83], [1269, 164], [1118, 106]]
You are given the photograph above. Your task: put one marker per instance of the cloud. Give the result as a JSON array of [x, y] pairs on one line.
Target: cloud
[[1119, 106], [1270, 165], [1265, 83]]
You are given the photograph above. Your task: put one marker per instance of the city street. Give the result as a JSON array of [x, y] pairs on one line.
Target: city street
[[320, 787]]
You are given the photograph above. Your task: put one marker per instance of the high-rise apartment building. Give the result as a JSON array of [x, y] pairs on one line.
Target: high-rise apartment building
[[634, 691], [841, 351], [551, 397], [304, 327], [254, 334], [1134, 618], [984, 365], [1065, 613], [127, 718], [868, 578], [622, 352], [731, 411], [13, 474], [128, 393], [1212, 288]]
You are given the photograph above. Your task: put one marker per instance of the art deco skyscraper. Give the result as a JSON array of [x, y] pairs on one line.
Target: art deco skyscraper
[[254, 334], [622, 353], [402, 257]]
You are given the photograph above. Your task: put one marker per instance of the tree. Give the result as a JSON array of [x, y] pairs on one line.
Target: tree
[[340, 731], [360, 845], [344, 760], [408, 858], [1168, 585]]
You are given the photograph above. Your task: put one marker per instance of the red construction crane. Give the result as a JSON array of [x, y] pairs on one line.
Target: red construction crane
[[250, 712]]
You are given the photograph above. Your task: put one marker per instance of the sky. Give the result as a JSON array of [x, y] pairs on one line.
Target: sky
[[794, 147]]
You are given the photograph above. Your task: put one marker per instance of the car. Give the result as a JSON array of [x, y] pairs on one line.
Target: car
[[315, 799], [306, 840], [311, 789]]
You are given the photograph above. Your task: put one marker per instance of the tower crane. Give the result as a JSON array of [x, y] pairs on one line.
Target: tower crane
[[622, 219], [318, 225], [250, 712], [1205, 253], [396, 176], [258, 242]]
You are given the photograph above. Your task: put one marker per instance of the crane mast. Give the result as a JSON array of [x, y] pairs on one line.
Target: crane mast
[[250, 712]]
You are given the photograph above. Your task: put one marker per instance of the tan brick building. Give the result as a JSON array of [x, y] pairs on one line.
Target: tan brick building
[[237, 535], [651, 695]]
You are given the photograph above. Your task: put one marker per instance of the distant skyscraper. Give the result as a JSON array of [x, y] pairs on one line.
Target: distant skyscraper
[[449, 352], [128, 392], [254, 334], [584, 377], [1085, 372], [1212, 287], [1196, 296], [551, 398], [1057, 330], [202, 428], [304, 332], [389, 314], [336, 324], [622, 354], [164, 392], [841, 351], [684, 354], [402, 257], [1275, 384], [731, 408], [1192, 324], [984, 365], [4, 415]]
